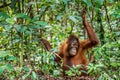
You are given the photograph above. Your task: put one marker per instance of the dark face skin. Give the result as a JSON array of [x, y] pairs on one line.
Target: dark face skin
[[73, 47]]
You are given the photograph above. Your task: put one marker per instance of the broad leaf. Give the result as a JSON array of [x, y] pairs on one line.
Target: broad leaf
[[10, 20], [26, 68], [100, 2], [20, 28], [26, 75], [23, 29], [65, 1], [34, 75], [4, 53], [10, 67], [72, 18], [23, 15], [4, 15], [42, 23], [8, 27], [59, 17], [11, 58], [2, 68], [88, 2]]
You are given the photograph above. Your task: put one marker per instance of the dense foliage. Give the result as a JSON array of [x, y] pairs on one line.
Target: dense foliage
[[24, 22]]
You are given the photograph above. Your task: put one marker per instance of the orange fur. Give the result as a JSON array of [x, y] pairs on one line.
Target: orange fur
[[80, 58], [83, 46]]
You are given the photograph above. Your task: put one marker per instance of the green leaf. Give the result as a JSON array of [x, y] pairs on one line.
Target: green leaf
[[56, 72], [84, 71], [59, 17], [65, 1], [4, 53], [26, 68], [42, 23], [70, 73], [11, 58], [35, 18], [43, 8], [100, 2], [23, 29], [23, 15], [10, 20], [8, 27], [35, 26], [100, 78], [2, 68], [28, 32], [26, 75], [88, 2], [118, 64], [72, 18], [4, 15], [111, 1], [13, 4], [114, 64], [20, 28], [10, 67], [66, 8], [34, 75]]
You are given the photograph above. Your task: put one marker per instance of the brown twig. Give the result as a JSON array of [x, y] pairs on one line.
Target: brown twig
[[47, 44], [48, 47]]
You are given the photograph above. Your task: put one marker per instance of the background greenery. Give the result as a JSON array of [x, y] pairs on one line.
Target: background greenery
[[24, 22]]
